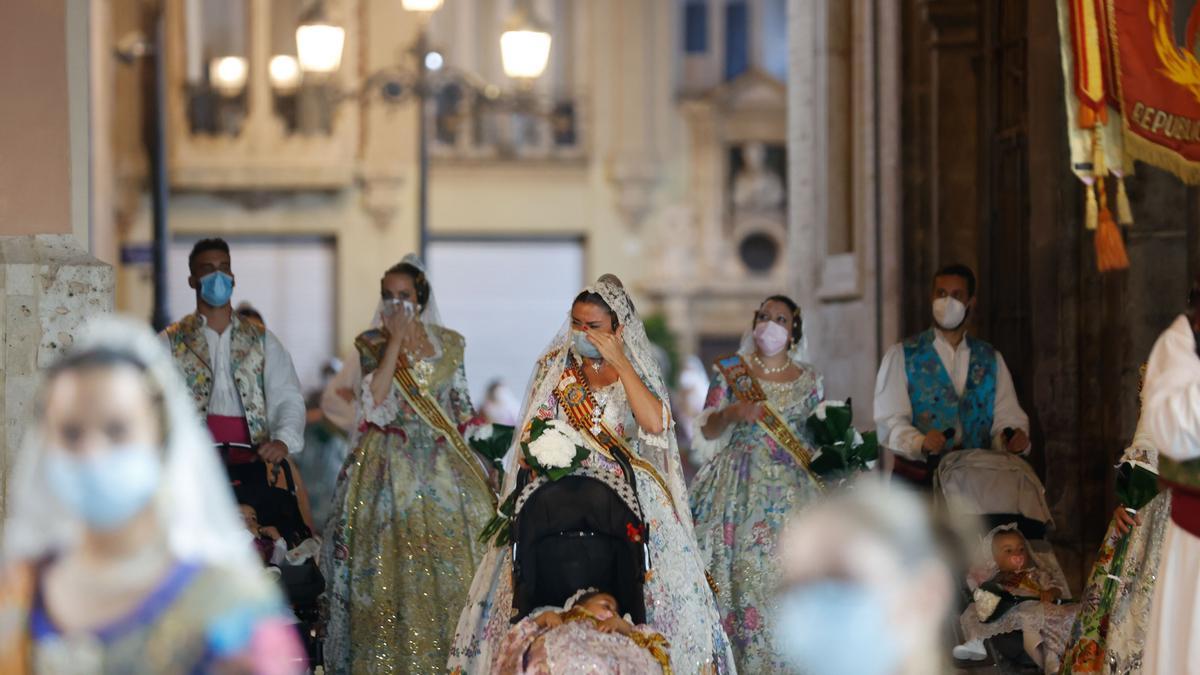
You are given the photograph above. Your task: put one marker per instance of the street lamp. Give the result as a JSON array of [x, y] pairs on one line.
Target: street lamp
[[524, 49], [525, 45]]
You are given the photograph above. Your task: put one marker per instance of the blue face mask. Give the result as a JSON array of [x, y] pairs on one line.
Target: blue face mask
[[585, 348], [835, 628], [105, 489], [216, 289]]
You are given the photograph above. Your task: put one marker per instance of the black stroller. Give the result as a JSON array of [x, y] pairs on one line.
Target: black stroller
[[585, 530], [253, 483]]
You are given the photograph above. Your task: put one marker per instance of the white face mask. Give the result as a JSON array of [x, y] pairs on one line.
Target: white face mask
[[771, 338], [949, 313], [105, 490]]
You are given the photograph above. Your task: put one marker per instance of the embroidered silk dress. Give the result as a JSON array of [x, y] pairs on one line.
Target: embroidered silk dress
[[741, 499], [1111, 628], [679, 601], [401, 543], [195, 620], [573, 647]]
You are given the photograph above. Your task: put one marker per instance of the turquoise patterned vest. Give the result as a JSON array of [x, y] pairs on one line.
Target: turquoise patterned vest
[[935, 404], [247, 358]]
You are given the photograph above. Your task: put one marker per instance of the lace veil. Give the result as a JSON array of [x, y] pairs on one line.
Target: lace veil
[[660, 450], [196, 510]]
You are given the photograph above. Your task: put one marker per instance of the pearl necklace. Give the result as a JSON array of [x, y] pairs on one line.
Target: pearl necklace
[[765, 369]]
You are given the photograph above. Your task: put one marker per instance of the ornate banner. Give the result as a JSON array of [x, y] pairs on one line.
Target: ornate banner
[[1156, 44]]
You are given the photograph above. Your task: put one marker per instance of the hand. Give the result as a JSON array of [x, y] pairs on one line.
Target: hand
[[1018, 443], [273, 452], [743, 411], [1124, 520], [611, 346], [548, 620], [396, 323], [270, 532], [1051, 595], [934, 443], [615, 624]]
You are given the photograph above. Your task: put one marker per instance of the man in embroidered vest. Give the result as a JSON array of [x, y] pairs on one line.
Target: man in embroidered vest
[[242, 379], [942, 395], [1171, 413]]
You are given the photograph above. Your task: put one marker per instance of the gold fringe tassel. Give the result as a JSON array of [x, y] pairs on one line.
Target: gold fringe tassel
[[1091, 219], [1124, 212], [1110, 247], [1099, 166]]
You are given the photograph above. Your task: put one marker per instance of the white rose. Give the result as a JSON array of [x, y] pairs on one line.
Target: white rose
[[553, 449], [481, 432], [824, 405], [985, 604]]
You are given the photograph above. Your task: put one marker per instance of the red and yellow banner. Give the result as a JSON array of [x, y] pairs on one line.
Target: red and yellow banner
[[1155, 46]]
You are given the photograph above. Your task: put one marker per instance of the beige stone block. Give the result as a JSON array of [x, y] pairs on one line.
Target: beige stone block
[[49, 287]]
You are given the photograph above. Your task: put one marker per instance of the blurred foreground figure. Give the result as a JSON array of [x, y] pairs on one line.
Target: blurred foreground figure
[[123, 550], [1171, 413], [866, 587]]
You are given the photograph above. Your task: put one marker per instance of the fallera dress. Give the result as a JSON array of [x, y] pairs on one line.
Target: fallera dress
[[401, 542], [741, 499]]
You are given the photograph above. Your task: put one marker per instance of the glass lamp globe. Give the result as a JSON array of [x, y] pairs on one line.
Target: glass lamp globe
[[319, 47], [422, 5], [228, 74], [525, 53], [285, 73]]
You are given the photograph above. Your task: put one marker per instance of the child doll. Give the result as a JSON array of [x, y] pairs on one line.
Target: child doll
[[1012, 592], [269, 544], [586, 635]]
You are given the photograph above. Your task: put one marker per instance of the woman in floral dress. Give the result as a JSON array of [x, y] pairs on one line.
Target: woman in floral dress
[[1111, 627], [411, 498], [603, 355], [752, 480]]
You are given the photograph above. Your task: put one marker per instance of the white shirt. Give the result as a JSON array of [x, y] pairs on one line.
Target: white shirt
[[893, 407], [1171, 398], [285, 403]]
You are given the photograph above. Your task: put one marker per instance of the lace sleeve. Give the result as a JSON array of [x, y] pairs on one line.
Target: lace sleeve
[[383, 413]]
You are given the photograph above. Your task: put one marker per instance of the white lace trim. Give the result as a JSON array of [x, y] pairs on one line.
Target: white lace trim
[[705, 449], [380, 414]]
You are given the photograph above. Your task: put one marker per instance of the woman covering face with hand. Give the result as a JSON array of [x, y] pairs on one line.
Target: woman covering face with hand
[[754, 474], [599, 375], [123, 548], [412, 496]]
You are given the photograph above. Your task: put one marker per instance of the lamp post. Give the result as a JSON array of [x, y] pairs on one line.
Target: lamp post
[[133, 47], [525, 52]]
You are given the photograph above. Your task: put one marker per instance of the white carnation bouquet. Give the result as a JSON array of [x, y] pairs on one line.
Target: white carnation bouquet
[[554, 449]]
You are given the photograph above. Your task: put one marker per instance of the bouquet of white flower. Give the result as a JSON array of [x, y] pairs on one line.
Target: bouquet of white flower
[[492, 442], [841, 450], [554, 449]]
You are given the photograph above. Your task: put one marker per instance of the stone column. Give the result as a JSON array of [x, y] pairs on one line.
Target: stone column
[[49, 283]]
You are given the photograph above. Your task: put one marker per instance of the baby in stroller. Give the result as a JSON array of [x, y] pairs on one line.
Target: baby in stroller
[[582, 531], [1013, 591], [586, 634]]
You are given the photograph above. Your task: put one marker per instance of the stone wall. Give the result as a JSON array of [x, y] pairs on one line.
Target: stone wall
[[48, 288]]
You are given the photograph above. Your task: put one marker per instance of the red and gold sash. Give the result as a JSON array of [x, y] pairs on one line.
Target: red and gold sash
[[431, 412], [576, 399], [746, 388]]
